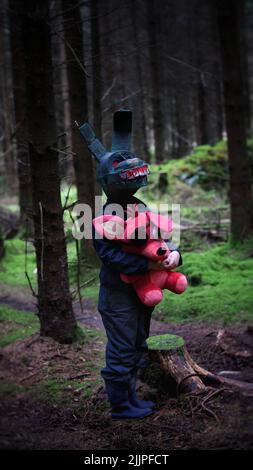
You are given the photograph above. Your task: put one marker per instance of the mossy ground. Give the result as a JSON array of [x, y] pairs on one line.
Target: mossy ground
[[220, 287], [16, 325], [56, 382]]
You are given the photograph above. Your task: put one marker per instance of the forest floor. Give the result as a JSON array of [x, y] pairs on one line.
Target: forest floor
[[52, 396]]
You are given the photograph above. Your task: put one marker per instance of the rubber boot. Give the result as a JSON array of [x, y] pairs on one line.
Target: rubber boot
[[134, 400], [121, 408]]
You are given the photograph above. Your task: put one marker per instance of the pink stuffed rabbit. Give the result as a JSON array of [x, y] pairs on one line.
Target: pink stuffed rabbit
[[153, 228]]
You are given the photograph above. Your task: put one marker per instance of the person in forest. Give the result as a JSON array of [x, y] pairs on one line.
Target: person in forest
[[126, 320]]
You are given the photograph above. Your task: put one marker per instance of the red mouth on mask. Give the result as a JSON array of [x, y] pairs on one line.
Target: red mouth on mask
[[134, 173]]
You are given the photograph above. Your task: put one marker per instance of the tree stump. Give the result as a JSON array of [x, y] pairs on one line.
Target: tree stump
[[171, 353]]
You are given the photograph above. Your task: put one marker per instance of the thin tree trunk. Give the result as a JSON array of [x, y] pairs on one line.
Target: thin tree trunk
[[83, 163]]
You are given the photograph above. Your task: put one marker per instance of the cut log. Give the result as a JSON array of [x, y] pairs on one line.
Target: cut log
[[174, 359]]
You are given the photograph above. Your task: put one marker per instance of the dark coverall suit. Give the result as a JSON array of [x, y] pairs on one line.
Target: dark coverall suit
[[125, 318]]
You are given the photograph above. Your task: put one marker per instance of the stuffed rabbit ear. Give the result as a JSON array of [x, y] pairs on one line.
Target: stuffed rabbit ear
[[136, 226], [161, 222], [109, 226]]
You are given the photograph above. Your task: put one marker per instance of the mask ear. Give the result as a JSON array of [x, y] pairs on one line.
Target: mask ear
[[109, 226], [163, 223]]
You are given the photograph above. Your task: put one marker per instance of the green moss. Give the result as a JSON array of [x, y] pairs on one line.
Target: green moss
[[165, 342], [11, 389], [16, 335], [17, 316], [63, 391], [206, 168], [85, 336], [12, 266], [51, 391], [221, 287], [18, 325]]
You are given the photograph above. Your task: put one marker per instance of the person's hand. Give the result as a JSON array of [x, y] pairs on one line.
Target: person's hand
[[155, 266], [172, 260]]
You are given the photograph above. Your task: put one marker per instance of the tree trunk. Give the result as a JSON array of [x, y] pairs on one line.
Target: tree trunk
[[18, 67], [83, 162], [62, 112], [143, 147], [249, 45], [153, 24], [96, 75], [54, 300], [240, 193], [9, 150]]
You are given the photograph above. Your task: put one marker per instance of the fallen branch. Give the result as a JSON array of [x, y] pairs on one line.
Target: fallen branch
[[79, 376]]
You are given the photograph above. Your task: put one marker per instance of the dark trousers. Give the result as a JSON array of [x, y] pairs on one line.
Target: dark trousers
[[127, 323]]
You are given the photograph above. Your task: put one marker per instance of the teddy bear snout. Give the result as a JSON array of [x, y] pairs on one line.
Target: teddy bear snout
[[161, 251]]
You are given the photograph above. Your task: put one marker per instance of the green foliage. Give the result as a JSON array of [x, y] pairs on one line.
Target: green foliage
[[221, 286]]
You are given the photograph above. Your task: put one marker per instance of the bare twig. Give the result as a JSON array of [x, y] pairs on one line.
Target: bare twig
[[84, 284], [67, 197], [109, 89], [78, 268], [70, 206], [29, 376], [73, 52], [62, 151], [26, 272], [79, 376], [211, 412]]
